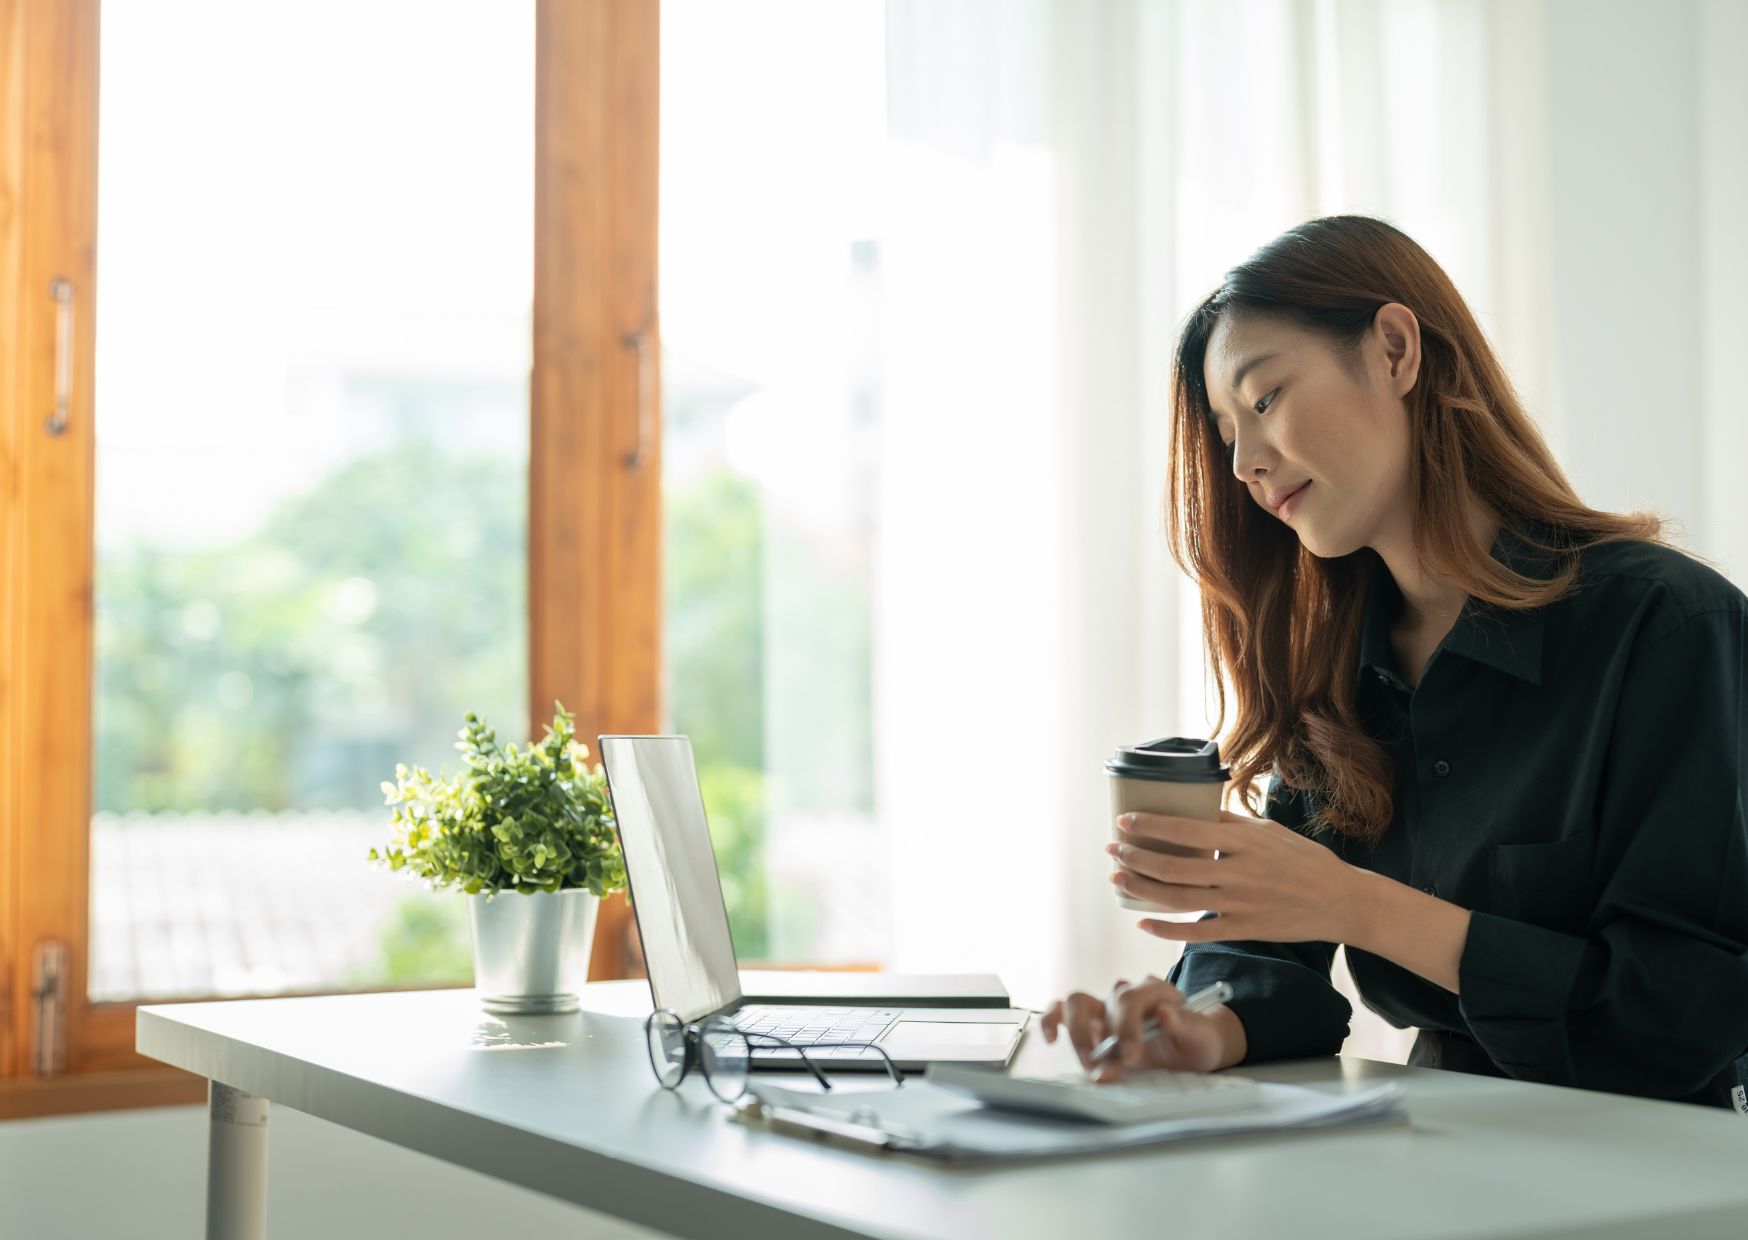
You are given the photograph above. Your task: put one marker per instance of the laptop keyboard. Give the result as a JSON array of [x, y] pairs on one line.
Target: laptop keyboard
[[808, 1026]]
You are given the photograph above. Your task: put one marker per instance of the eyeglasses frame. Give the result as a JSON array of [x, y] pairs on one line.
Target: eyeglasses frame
[[692, 1033]]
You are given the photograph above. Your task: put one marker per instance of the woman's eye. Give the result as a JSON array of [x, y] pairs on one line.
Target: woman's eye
[[1262, 405]]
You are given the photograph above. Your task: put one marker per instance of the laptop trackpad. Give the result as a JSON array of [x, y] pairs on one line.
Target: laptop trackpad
[[933, 1039]]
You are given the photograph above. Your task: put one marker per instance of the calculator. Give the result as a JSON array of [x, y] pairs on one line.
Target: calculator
[[1153, 1094]]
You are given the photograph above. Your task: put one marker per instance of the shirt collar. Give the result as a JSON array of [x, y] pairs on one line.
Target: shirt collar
[[1510, 641]]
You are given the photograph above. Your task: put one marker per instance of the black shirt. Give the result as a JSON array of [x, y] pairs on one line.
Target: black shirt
[[1573, 775]]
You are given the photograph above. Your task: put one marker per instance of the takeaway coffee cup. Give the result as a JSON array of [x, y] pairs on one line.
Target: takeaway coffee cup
[[1178, 776]]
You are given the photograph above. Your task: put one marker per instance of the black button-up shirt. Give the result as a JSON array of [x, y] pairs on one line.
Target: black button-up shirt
[[1575, 776]]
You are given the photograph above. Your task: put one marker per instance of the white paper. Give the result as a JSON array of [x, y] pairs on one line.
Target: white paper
[[933, 1120]]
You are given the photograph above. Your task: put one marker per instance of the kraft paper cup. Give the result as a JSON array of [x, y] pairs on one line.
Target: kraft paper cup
[[1176, 776]]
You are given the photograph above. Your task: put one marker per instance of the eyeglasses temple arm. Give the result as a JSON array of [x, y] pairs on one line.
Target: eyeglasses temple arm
[[885, 1059], [801, 1051]]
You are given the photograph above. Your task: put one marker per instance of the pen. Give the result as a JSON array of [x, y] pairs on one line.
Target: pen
[[1201, 1001]]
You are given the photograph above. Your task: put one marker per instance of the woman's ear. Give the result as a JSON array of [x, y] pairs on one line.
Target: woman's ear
[[1398, 335]]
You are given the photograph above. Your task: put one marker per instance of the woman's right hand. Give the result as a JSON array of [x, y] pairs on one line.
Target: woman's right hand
[[1186, 1041]]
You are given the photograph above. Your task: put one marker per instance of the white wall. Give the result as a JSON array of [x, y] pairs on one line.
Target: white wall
[[1648, 174], [142, 1175], [1723, 259], [1626, 246]]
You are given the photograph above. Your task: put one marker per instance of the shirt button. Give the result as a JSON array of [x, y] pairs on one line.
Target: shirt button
[[1431, 889], [1441, 768]]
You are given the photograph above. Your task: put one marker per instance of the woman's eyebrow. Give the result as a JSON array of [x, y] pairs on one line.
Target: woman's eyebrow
[[1247, 365]]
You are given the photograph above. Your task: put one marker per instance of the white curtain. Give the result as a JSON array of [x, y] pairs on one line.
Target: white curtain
[[1066, 180]]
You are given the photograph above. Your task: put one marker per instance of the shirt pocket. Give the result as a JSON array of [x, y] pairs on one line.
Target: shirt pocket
[[1545, 884]]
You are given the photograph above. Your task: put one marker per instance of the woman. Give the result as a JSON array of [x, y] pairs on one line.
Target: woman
[[1506, 731]]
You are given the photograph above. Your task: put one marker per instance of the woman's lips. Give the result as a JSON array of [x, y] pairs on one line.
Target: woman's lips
[[1292, 501]]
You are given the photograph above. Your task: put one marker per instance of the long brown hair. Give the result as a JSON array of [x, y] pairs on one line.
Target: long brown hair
[[1282, 626]]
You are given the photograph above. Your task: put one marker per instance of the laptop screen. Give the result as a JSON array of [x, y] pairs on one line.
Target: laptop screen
[[671, 869]]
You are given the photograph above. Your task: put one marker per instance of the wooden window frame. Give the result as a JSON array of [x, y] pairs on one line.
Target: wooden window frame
[[594, 529]]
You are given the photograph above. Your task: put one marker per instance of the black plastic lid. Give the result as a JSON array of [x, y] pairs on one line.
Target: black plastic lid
[[1175, 759]]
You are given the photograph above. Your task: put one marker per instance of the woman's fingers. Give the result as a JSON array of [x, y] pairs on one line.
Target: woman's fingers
[[1172, 897], [1133, 1008], [1084, 1018], [1169, 1016], [1169, 869], [1186, 1041], [1052, 1018], [1079, 1013]]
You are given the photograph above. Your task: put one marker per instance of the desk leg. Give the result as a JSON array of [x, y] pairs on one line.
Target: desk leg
[[236, 1166]]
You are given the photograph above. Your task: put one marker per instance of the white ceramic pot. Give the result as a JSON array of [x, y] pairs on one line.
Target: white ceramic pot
[[531, 950]]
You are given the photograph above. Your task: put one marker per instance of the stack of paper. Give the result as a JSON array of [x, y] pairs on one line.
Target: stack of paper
[[926, 1119]]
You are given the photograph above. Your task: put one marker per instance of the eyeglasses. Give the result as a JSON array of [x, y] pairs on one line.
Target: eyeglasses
[[724, 1053]]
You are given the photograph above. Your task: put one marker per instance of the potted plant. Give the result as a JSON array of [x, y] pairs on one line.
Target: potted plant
[[528, 835]]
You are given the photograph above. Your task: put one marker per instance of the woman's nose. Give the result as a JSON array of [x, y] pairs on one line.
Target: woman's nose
[[1251, 461]]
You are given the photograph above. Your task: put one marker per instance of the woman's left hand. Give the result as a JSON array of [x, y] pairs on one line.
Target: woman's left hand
[[1268, 883]]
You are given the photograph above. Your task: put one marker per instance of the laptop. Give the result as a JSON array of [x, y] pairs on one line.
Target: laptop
[[676, 895]]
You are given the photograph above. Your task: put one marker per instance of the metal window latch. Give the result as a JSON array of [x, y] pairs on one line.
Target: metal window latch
[[61, 291], [48, 1052], [643, 344]]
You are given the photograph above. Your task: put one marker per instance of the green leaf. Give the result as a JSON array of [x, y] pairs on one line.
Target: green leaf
[[511, 821]]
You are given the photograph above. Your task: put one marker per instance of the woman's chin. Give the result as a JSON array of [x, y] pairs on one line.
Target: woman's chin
[[1322, 547]]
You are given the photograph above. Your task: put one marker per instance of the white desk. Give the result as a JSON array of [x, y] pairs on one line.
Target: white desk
[[566, 1105]]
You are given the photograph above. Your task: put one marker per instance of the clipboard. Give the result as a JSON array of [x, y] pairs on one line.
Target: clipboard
[[927, 1120]]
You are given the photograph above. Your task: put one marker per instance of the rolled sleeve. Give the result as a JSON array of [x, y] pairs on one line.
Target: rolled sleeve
[[1653, 999], [1281, 992]]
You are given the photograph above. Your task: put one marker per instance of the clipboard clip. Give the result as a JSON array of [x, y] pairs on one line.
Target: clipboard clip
[[862, 1128]]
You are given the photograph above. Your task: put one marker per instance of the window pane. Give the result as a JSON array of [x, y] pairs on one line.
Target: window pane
[[770, 269], [315, 243]]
